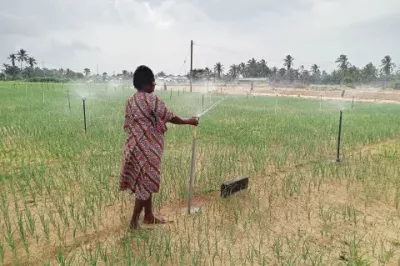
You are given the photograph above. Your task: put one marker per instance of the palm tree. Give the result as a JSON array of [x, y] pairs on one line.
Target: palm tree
[[343, 63], [242, 68], [218, 68], [86, 71], [387, 65], [124, 73], [369, 72], [288, 62], [234, 71], [274, 71], [315, 69], [22, 56], [12, 57], [252, 68], [207, 72], [264, 69], [32, 61]]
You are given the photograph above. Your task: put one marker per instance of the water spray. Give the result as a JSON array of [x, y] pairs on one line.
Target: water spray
[[202, 102], [84, 112], [193, 161], [352, 102], [192, 170], [43, 96], [339, 137], [276, 103]]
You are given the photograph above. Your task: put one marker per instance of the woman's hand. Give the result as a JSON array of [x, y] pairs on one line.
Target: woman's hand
[[194, 121]]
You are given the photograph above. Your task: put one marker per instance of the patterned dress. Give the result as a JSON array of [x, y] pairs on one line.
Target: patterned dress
[[145, 123]]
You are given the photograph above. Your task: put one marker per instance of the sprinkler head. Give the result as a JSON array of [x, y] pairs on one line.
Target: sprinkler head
[[84, 98]]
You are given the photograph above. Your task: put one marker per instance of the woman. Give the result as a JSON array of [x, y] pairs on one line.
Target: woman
[[145, 123]]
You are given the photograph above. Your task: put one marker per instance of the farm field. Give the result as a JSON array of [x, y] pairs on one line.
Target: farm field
[[60, 204]]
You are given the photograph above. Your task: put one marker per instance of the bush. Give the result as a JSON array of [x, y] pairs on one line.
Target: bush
[[54, 80], [396, 85]]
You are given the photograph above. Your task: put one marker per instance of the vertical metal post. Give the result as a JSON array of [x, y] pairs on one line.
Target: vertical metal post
[[192, 169], [84, 112], [352, 102], [69, 102], [191, 65], [320, 103], [339, 137]]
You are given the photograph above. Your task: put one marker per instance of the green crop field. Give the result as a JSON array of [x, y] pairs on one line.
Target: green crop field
[[60, 203]]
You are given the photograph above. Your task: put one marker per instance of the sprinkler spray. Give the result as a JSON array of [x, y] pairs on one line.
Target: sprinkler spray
[[43, 96], [352, 102], [84, 111], [202, 102], [339, 136], [192, 170]]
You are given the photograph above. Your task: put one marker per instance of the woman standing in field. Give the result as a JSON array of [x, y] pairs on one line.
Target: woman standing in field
[[145, 123]]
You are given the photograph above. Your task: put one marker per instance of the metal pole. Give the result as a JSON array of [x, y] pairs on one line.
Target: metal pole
[[352, 102], [202, 103], [84, 112], [320, 103], [192, 169], [69, 102], [339, 137], [191, 64]]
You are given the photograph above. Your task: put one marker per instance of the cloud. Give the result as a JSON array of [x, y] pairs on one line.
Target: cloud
[[121, 34], [14, 26]]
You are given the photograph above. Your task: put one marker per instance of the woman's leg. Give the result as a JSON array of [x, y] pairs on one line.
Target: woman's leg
[[137, 209], [149, 217]]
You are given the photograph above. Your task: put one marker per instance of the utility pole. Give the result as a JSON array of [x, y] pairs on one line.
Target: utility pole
[[191, 65]]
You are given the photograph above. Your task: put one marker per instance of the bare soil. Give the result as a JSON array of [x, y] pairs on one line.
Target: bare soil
[[360, 94]]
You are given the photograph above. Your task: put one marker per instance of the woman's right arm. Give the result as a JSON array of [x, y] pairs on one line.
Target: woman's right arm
[[166, 115], [184, 121]]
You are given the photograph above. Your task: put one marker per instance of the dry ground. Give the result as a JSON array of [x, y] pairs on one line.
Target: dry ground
[[326, 222], [363, 94]]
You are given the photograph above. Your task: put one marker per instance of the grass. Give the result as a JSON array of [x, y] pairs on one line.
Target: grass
[[59, 186]]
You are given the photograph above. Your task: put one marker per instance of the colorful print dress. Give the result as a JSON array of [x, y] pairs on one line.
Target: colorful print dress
[[145, 123]]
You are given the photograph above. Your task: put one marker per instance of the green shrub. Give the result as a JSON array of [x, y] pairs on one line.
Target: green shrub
[[49, 79], [396, 85]]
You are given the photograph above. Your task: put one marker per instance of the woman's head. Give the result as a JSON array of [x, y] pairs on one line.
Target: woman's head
[[143, 79]]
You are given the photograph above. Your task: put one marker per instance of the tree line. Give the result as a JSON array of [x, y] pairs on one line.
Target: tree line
[[27, 69], [346, 73]]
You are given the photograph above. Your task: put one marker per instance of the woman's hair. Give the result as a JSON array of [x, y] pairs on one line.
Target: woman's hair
[[142, 76]]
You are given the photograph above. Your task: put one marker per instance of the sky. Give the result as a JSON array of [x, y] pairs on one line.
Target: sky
[[112, 35]]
